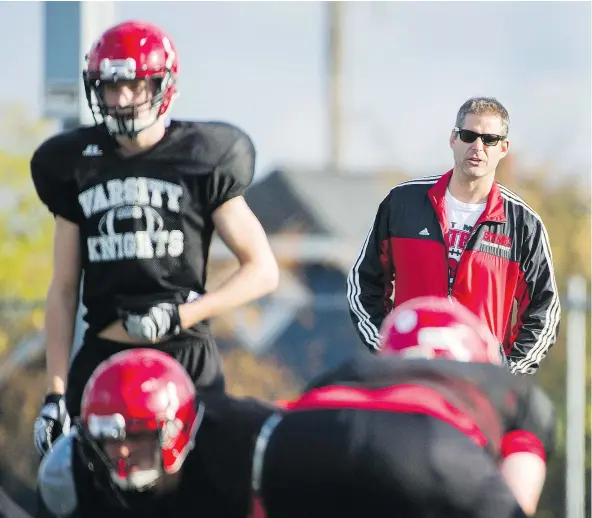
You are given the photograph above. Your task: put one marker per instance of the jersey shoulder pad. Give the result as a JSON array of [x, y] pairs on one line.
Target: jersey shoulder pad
[[218, 136], [224, 147], [59, 154], [54, 165]]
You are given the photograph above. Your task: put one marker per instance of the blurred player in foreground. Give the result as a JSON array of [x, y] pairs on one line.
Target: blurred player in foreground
[[148, 446], [434, 427]]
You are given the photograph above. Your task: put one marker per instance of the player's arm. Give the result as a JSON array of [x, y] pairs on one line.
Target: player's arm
[[525, 473], [241, 231], [62, 303], [257, 274], [526, 448], [53, 177], [60, 314], [56, 187]]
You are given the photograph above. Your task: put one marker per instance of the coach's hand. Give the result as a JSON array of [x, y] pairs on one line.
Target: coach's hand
[[53, 420], [158, 322]]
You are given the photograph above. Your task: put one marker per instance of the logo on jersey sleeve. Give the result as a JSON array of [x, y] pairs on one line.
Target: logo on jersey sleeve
[[133, 218]]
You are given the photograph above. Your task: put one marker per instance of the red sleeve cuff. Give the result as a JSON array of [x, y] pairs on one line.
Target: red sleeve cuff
[[522, 441]]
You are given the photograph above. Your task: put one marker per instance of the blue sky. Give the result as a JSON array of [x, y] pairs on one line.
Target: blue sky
[[409, 66]]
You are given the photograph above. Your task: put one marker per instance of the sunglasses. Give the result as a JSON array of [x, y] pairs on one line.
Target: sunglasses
[[469, 137]]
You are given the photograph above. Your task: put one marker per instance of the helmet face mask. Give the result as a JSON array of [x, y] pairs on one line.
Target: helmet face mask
[[130, 119], [131, 52], [141, 467]]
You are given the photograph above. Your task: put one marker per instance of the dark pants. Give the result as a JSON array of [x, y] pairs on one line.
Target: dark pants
[[373, 464], [199, 356]]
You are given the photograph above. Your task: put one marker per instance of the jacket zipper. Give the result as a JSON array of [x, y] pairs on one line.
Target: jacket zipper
[[446, 264], [451, 285]]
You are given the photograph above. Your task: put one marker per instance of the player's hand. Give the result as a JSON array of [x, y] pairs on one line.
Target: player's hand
[[159, 321], [53, 420]]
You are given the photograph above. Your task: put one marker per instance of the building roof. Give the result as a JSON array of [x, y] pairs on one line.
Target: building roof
[[315, 216], [319, 202]]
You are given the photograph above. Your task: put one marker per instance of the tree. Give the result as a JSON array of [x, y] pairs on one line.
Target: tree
[[25, 229], [25, 224]]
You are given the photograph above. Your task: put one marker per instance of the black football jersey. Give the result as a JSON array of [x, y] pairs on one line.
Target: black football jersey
[[492, 398], [146, 220]]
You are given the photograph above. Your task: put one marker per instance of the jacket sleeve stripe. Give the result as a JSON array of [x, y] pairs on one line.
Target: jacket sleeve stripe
[[548, 334], [365, 325]]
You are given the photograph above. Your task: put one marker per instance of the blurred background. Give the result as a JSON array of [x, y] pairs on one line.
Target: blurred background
[[343, 101]]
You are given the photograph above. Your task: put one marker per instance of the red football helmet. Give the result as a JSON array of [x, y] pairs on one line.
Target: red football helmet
[[438, 327], [129, 51], [133, 393]]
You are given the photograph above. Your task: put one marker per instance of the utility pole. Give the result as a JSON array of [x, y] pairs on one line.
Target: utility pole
[[335, 14], [575, 444]]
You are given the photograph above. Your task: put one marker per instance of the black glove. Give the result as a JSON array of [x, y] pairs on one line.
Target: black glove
[[159, 321], [53, 420]]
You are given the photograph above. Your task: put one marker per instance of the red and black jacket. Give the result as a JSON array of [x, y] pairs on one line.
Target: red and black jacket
[[507, 258]]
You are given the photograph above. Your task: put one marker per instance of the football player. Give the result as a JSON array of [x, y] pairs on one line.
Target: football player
[[136, 199]]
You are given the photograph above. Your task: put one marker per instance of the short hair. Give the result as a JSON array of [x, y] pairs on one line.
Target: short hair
[[482, 106]]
